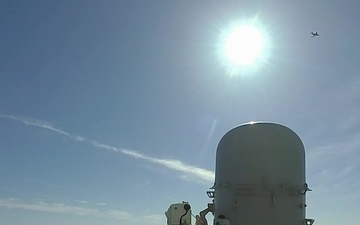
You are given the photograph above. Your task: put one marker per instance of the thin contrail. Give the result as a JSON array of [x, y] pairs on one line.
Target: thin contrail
[[177, 165]]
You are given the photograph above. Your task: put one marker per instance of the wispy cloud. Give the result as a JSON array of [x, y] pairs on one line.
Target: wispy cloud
[[81, 201], [334, 167], [48, 207], [11, 203], [172, 164], [54, 185]]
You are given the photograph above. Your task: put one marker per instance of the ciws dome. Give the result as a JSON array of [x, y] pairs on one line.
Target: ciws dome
[[259, 178]]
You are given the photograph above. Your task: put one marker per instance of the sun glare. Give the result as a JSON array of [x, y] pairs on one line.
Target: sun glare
[[243, 47]]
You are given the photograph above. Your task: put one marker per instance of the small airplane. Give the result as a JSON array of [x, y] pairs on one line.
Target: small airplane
[[314, 34]]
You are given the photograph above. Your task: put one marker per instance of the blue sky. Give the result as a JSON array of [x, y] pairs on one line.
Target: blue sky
[[110, 111]]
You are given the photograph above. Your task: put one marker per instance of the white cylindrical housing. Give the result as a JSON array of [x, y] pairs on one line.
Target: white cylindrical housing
[[260, 176]]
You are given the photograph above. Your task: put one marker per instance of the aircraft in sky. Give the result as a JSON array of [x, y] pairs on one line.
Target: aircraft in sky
[[314, 34]]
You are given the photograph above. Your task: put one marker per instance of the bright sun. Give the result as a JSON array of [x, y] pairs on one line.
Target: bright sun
[[244, 45]]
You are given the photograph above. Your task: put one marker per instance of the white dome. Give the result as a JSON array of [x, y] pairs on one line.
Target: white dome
[[260, 176]]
